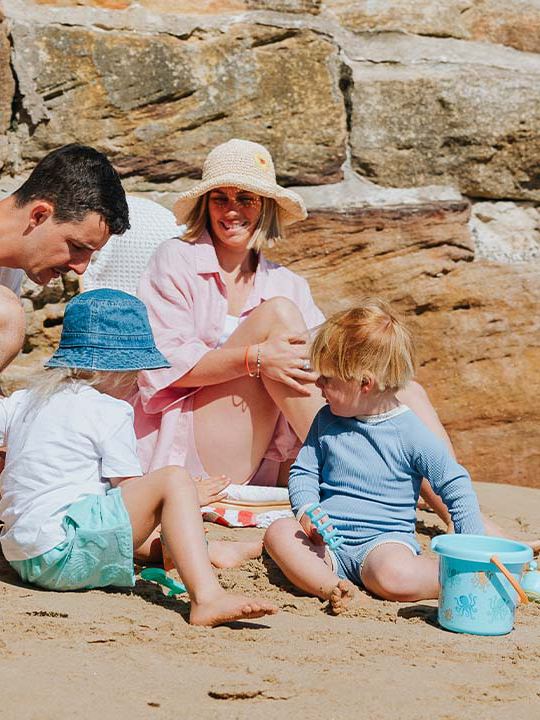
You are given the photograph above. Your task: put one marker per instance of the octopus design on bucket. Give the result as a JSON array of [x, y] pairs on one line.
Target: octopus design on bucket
[[466, 605]]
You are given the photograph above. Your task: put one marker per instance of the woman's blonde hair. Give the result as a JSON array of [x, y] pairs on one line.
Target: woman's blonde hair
[[50, 380], [368, 340], [268, 231]]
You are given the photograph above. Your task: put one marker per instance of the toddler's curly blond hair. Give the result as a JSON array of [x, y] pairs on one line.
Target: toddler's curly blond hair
[[369, 340]]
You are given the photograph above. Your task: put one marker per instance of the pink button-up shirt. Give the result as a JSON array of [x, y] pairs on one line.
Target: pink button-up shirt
[[186, 299]]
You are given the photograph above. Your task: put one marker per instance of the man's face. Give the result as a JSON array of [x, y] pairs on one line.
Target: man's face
[[55, 247]]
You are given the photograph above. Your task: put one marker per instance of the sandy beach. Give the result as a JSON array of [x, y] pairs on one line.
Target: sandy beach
[[116, 654]]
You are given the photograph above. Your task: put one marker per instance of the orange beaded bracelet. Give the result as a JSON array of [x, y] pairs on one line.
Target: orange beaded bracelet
[[246, 363]]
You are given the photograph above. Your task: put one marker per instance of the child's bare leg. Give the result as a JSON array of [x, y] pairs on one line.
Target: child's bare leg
[[169, 496], [229, 554], [306, 564], [392, 572]]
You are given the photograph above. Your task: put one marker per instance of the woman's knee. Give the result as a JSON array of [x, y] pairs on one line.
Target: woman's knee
[[414, 393], [12, 325], [174, 478], [281, 311]]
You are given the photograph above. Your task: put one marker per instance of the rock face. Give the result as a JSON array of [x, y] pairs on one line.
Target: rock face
[[515, 23], [433, 119], [411, 106], [476, 324], [157, 104], [8, 88]]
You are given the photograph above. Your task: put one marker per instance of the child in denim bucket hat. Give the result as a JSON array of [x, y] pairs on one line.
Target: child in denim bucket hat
[[75, 505]]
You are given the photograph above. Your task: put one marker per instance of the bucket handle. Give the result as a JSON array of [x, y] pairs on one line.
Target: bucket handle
[[511, 579]]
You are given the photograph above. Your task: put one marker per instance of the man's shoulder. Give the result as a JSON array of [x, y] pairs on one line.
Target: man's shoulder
[[12, 278]]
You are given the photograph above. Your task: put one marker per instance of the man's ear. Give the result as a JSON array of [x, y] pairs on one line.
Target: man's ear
[[40, 210]]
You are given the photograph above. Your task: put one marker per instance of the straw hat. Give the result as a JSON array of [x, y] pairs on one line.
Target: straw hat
[[245, 165]]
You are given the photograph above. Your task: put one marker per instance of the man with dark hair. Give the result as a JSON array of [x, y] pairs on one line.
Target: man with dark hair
[[67, 209]]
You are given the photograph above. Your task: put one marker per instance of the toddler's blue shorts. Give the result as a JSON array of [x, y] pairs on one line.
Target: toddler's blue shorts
[[348, 560], [97, 551]]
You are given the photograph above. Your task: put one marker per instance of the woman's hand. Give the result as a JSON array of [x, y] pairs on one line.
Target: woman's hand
[[212, 489], [285, 359]]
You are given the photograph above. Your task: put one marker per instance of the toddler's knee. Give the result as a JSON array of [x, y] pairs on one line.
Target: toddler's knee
[[396, 582], [276, 531]]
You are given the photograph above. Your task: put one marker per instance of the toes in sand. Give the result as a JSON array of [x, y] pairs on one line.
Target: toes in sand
[[228, 608], [342, 596]]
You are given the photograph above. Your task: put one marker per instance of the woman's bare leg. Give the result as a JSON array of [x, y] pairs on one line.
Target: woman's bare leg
[[234, 422], [168, 496], [12, 326]]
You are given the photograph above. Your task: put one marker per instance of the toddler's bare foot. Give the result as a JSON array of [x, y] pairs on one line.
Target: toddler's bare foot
[[211, 489], [226, 608], [342, 596], [228, 554]]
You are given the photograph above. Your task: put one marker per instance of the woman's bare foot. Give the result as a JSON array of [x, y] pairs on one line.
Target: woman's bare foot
[[342, 596], [226, 608], [229, 554], [211, 489]]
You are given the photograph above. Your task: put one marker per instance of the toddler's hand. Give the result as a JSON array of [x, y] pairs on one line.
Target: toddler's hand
[[309, 529], [211, 489]]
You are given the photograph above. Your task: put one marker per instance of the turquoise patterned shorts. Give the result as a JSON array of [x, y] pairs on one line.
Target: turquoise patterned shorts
[[97, 551]]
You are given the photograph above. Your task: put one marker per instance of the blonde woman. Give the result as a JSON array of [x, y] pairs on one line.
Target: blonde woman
[[234, 327], [240, 395]]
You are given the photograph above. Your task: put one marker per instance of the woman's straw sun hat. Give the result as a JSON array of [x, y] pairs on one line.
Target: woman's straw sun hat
[[245, 165]]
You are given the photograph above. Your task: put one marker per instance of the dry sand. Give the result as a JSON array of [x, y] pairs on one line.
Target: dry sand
[[114, 654]]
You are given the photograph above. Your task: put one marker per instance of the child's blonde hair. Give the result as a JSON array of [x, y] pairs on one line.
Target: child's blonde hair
[[268, 231], [367, 340], [50, 380]]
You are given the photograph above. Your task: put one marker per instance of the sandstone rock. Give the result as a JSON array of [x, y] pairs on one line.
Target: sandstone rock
[[515, 23], [437, 120], [157, 104], [290, 6], [195, 7], [442, 18], [480, 353], [8, 87], [506, 232], [347, 254], [198, 7], [507, 22], [476, 323]]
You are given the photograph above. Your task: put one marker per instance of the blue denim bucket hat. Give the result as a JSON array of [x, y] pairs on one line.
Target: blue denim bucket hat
[[107, 330]]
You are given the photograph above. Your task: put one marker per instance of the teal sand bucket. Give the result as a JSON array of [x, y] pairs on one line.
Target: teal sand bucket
[[475, 597]]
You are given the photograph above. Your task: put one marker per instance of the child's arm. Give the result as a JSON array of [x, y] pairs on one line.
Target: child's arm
[[304, 478], [450, 480]]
